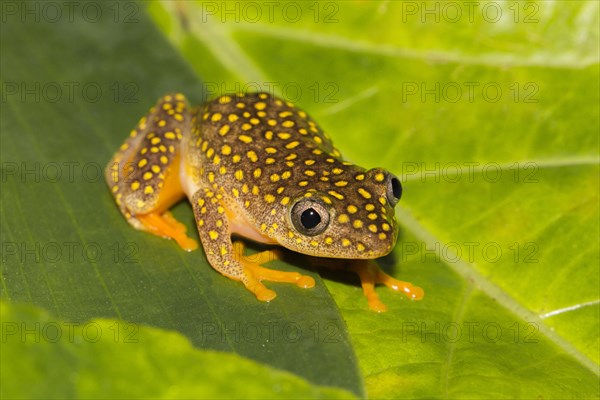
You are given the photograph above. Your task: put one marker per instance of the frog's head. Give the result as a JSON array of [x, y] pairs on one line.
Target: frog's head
[[355, 220]]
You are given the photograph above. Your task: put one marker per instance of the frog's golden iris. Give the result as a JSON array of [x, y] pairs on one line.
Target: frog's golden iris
[[257, 166]]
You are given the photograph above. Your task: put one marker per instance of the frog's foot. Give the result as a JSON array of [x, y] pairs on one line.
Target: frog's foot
[[255, 273], [371, 274], [165, 225]]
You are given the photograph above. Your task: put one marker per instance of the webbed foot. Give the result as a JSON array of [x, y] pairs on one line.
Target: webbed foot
[[371, 274], [256, 273]]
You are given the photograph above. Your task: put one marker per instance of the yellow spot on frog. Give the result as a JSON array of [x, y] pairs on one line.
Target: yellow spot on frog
[[335, 194], [364, 193], [252, 156], [224, 130], [292, 145], [245, 138]]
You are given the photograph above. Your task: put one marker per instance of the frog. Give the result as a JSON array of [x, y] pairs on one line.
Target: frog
[[256, 166]]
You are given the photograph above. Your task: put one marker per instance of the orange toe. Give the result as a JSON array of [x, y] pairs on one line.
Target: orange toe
[[256, 273], [371, 274], [166, 225]]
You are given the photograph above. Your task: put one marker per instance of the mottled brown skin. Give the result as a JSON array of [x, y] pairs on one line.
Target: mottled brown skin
[[258, 166]]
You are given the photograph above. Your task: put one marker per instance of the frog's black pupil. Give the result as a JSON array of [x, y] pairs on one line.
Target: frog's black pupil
[[396, 188], [310, 218]]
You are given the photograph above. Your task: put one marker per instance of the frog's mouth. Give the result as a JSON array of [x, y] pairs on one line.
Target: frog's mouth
[[240, 225]]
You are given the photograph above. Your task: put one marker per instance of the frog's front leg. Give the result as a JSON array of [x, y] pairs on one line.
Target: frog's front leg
[[210, 210], [144, 174], [370, 274]]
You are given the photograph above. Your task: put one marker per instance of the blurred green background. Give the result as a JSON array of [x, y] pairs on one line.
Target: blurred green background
[[488, 111]]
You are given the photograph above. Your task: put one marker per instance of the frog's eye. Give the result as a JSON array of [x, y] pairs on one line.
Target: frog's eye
[[394, 190], [310, 217]]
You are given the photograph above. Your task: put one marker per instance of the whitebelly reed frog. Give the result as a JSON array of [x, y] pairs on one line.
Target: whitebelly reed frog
[[259, 167]]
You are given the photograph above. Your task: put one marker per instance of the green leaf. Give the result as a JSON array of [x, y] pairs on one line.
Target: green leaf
[[72, 90], [491, 117], [509, 263], [44, 357]]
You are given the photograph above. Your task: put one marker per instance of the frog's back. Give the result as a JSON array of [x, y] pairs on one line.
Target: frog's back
[[264, 154], [259, 130], [259, 121]]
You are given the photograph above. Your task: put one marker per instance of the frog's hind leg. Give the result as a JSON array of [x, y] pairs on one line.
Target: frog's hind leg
[[229, 258], [144, 174]]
